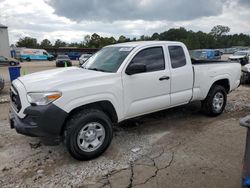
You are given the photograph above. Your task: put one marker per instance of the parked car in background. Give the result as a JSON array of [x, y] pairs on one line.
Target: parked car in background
[[245, 122], [245, 77], [74, 55], [84, 58], [81, 105], [243, 57], [63, 60], [5, 61], [205, 54], [2, 83], [28, 54]]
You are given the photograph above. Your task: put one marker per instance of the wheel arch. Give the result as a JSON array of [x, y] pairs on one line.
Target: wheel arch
[[224, 83], [106, 106]]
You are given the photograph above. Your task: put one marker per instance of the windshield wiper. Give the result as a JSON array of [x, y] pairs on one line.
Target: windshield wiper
[[96, 69]]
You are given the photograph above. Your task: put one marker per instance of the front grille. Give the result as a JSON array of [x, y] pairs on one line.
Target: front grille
[[15, 99]]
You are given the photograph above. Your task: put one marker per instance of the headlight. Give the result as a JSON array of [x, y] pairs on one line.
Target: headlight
[[43, 98]]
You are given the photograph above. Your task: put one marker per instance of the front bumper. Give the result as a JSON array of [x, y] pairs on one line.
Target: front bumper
[[45, 122]]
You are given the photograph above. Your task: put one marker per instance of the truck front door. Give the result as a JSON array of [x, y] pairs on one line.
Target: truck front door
[[150, 90]]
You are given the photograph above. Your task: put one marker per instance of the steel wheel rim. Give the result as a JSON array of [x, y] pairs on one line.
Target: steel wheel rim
[[91, 137], [218, 101]]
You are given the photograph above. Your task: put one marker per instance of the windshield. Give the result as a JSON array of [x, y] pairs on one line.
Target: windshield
[[108, 59], [240, 53], [62, 57]]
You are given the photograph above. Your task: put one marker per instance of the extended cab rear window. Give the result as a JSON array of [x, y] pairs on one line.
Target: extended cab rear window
[[177, 56]]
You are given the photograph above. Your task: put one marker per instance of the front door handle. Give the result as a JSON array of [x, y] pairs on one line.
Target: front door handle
[[164, 78]]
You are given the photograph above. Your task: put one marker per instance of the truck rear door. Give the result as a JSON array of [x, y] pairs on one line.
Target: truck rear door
[[181, 75]]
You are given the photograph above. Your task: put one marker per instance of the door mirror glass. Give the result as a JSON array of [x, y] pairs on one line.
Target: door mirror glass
[[136, 68]]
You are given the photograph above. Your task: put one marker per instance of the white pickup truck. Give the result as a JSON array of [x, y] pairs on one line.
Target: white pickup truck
[[122, 81]]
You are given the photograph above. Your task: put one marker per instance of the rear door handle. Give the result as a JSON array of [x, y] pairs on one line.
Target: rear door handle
[[164, 78]]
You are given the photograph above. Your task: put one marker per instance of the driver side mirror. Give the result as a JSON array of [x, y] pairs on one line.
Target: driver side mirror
[[136, 68]]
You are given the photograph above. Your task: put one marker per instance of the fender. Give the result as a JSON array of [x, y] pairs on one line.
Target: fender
[[206, 89], [81, 101]]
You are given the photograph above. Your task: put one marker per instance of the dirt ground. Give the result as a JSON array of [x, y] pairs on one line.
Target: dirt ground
[[178, 147]]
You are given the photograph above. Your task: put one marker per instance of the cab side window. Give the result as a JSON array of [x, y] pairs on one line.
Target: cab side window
[[177, 56], [153, 58]]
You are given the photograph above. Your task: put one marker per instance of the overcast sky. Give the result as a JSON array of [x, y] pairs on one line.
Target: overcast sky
[[71, 20]]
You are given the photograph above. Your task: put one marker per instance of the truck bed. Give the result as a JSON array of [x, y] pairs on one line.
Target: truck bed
[[208, 72], [199, 61]]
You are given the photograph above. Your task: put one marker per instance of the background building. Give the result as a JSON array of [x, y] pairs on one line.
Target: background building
[[4, 41]]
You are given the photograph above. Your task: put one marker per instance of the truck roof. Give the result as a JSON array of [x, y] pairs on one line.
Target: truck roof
[[145, 43]]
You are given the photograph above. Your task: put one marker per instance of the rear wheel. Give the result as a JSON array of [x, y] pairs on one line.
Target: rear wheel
[[215, 102], [88, 134], [28, 59]]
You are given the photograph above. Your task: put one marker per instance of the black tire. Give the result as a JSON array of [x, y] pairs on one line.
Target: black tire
[[12, 63], [75, 125], [207, 105], [28, 59]]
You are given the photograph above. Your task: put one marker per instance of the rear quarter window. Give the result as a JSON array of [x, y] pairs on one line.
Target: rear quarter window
[[177, 56]]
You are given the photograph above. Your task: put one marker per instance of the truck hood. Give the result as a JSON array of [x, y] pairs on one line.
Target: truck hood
[[56, 79], [236, 56]]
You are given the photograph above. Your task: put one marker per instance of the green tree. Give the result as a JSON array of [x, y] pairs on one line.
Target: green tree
[[219, 30], [95, 41], [45, 44], [87, 39], [27, 42], [122, 38], [60, 43], [155, 36], [112, 40]]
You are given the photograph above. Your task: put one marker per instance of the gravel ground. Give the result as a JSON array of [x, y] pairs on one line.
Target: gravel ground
[[179, 147]]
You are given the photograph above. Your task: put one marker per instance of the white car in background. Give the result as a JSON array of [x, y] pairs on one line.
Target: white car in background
[[245, 78], [84, 58], [243, 57]]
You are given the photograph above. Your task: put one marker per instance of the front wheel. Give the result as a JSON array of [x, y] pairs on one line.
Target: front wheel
[[215, 102], [88, 134]]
